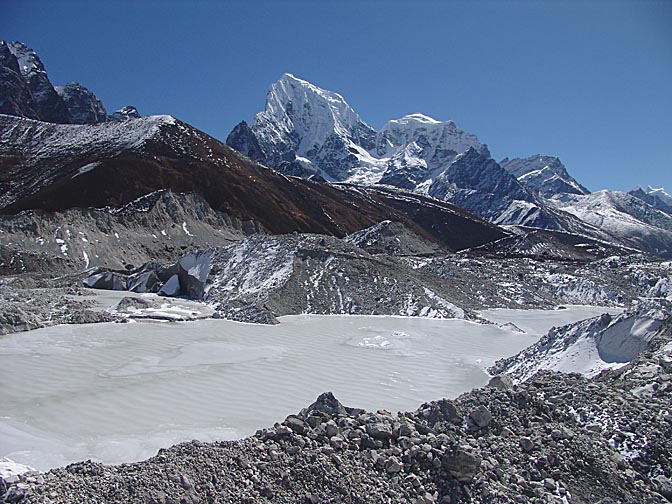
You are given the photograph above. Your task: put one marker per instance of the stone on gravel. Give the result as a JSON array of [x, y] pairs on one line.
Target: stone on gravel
[[481, 416], [526, 444], [501, 382], [393, 466], [327, 403], [379, 430], [463, 464]]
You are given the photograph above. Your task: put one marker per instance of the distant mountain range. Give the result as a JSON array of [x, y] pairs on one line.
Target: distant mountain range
[[309, 132], [306, 133]]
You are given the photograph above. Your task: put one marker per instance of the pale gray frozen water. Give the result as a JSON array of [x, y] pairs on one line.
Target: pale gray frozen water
[[118, 392], [540, 321]]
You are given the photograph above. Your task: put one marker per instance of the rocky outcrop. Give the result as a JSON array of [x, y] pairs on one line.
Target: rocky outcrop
[[293, 274], [15, 96], [160, 226], [25, 309], [26, 91], [49, 106], [84, 107]]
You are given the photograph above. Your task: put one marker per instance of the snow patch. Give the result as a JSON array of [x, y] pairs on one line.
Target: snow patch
[[186, 231], [9, 470], [86, 168]]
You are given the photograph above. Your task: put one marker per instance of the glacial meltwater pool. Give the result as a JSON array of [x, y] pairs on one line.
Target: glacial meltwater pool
[[118, 392]]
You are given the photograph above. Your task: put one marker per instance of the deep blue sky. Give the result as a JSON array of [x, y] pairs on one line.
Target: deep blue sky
[[587, 81]]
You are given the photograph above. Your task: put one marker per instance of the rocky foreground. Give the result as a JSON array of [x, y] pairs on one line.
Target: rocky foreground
[[554, 438]]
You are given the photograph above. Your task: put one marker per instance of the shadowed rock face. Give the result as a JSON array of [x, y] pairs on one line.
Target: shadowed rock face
[[115, 163], [49, 106], [192, 271], [16, 98], [83, 105]]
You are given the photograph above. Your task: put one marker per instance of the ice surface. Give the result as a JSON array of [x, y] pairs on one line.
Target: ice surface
[[538, 322], [118, 392]]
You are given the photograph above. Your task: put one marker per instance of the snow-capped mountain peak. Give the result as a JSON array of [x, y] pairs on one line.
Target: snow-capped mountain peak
[[657, 198], [308, 131], [305, 130], [660, 194], [417, 117], [427, 133], [545, 175], [290, 88], [313, 114]]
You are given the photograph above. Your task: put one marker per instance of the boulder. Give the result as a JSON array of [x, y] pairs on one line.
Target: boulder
[[481, 416], [663, 486], [327, 403], [193, 270], [443, 410], [133, 303], [393, 466], [296, 424], [526, 444], [462, 463], [379, 430], [171, 288], [107, 280], [501, 382], [144, 281]]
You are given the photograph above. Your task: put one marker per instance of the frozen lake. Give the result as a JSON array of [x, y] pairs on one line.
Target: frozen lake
[[118, 392]]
